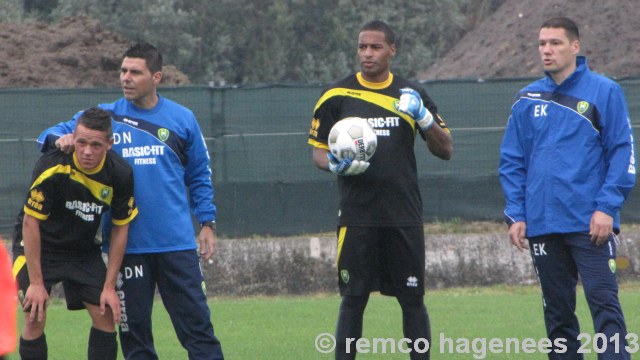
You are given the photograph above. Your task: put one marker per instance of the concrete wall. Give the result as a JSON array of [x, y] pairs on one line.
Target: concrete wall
[[307, 264], [300, 265]]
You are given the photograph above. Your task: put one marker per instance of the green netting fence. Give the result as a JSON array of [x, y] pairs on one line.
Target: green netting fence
[[264, 178]]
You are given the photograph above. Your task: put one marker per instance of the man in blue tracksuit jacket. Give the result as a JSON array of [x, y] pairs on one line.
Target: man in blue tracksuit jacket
[[164, 145], [566, 167]]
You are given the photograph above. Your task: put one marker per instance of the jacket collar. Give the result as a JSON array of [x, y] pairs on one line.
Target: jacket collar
[[581, 67]]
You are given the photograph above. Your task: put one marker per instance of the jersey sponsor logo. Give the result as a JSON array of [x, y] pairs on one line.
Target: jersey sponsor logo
[[582, 107], [141, 151], [382, 125], [84, 210], [143, 154], [144, 161], [384, 122], [163, 134], [412, 281]]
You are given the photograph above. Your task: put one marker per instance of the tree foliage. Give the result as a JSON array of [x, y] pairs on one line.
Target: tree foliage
[[267, 41]]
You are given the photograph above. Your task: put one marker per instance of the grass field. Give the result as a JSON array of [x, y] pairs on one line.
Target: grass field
[[285, 328]]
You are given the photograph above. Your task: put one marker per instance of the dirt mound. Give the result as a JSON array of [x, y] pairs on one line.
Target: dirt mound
[[75, 52], [505, 44]]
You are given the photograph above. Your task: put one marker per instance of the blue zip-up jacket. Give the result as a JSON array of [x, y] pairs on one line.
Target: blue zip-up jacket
[[567, 151], [172, 176]]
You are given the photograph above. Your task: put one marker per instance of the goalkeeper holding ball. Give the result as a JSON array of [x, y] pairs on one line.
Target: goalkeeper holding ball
[[380, 230]]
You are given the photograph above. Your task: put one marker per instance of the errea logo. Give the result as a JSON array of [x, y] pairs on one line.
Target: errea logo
[[412, 281]]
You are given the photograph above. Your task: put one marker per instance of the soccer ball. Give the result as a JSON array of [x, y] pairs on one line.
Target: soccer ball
[[352, 138]]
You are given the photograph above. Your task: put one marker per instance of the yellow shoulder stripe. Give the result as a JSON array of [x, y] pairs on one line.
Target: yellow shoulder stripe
[[58, 169], [384, 101], [99, 190]]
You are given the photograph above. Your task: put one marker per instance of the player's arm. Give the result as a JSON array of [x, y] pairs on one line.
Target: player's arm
[[36, 297], [117, 247], [198, 181], [513, 178], [320, 159], [438, 140], [617, 140]]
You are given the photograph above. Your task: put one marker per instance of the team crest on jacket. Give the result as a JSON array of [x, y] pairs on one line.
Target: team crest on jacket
[[163, 134], [105, 192], [612, 265], [582, 107]]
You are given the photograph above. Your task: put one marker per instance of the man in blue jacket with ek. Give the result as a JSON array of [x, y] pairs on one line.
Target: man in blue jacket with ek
[[566, 167]]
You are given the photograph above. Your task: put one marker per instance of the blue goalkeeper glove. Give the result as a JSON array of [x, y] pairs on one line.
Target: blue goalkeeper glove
[[346, 167], [411, 104]]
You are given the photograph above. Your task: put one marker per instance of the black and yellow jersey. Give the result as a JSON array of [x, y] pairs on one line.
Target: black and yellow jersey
[[70, 202], [387, 194]]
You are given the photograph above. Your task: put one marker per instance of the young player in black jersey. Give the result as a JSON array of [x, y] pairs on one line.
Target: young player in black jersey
[[380, 230], [55, 236]]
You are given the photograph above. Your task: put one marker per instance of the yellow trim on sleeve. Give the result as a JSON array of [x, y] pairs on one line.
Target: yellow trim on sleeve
[[35, 214], [134, 213], [318, 144]]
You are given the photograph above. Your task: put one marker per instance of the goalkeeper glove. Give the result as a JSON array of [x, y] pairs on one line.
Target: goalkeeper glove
[[411, 104], [346, 167]]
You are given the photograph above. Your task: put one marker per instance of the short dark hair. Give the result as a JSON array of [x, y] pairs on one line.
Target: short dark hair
[[565, 23], [379, 25], [96, 119], [147, 52]]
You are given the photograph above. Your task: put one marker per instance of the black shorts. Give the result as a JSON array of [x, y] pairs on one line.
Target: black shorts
[[386, 259], [82, 279]]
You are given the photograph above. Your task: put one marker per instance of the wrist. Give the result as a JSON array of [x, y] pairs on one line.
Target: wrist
[[209, 224], [426, 120]]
